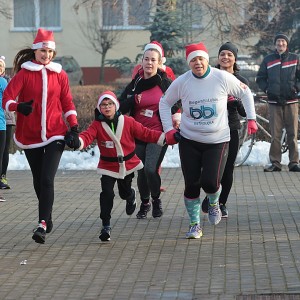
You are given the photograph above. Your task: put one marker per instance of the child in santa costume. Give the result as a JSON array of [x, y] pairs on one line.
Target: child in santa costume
[[115, 135], [39, 92]]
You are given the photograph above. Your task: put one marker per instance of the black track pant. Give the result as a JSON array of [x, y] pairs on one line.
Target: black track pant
[[44, 163], [107, 194], [202, 166], [227, 177]]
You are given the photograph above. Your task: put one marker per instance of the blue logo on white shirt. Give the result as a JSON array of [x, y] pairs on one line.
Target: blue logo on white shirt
[[204, 112]]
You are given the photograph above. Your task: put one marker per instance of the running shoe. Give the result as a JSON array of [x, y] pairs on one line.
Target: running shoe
[[105, 234], [144, 209], [156, 208], [214, 214], [39, 234], [195, 232], [224, 210]]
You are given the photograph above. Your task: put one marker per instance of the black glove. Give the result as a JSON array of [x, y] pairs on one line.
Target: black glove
[[25, 108], [177, 136], [72, 138]]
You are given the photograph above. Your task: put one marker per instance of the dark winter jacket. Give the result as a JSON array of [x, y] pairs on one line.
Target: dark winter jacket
[[279, 77], [138, 85], [235, 106]]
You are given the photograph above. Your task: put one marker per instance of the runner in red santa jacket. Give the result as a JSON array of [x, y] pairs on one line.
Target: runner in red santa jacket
[[39, 92]]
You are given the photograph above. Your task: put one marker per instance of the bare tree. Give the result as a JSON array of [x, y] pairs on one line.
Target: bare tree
[[266, 18], [101, 37], [241, 20]]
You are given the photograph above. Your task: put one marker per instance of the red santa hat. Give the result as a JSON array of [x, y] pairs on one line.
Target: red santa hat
[[194, 50], [110, 95], [157, 46], [44, 39]]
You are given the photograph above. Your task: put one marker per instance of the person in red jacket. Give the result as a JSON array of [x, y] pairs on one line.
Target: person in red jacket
[[170, 74], [115, 135], [44, 100]]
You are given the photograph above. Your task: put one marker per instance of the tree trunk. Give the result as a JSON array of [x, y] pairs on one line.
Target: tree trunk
[[102, 67]]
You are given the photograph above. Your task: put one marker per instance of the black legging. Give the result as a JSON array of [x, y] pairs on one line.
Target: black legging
[[44, 163], [5, 159], [149, 180], [202, 166], [227, 178], [2, 146], [107, 194]]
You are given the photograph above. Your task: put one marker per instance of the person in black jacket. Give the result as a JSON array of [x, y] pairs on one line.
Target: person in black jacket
[[227, 61], [279, 78]]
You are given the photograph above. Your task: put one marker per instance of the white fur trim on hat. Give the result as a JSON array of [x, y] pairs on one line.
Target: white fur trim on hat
[[197, 53], [2, 58], [156, 47], [49, 44], [44, 39], [110, 96]]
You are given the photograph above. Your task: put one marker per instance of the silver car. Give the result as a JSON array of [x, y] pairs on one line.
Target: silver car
[[72, 68]]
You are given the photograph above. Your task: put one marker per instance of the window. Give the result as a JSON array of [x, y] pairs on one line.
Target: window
[[32, 14], [122, 14]]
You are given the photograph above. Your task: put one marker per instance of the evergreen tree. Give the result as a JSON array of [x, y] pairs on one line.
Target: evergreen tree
[[168, 28]]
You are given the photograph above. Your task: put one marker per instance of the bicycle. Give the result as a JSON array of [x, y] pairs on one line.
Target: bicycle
[[248, 141]]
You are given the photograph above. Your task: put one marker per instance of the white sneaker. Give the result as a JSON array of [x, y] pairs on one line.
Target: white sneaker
[[195, 232], [214, 214]]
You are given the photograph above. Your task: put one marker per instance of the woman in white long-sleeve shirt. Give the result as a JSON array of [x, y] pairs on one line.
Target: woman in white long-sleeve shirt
[[204, 129]]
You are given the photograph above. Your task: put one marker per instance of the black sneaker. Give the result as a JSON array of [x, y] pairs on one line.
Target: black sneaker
[[144, 209], [105, 234], [131, 203], [3, 183], [156, 208], [39, 234], [295, 168], [3, 186], [272, 168], [49, 226], [204, 205], [224, 210]]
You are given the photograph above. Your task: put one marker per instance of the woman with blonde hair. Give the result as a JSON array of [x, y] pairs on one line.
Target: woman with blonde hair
[[141, 99]]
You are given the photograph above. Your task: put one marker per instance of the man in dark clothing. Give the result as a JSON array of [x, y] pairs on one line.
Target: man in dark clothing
[[279, 78]]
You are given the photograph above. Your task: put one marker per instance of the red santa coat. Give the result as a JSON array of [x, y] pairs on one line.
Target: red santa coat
[[119, 145], [48, 87]]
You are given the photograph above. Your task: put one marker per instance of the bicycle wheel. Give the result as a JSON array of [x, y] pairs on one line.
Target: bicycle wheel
[[284, 144], [246, 143]]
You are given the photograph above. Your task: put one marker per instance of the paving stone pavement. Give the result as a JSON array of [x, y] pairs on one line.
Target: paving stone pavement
[[254, 254]]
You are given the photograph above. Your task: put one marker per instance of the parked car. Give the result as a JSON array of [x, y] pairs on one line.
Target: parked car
[[72, 68]]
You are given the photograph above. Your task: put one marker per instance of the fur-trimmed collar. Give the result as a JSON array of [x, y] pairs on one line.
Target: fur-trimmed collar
[[141, 84], [31, 66]]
